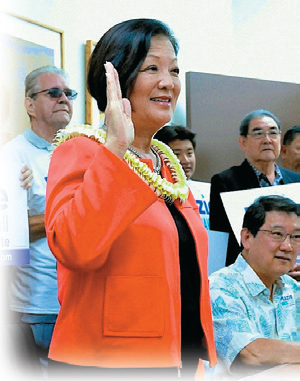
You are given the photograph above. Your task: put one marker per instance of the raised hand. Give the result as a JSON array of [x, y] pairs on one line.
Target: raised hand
[[120, 129]]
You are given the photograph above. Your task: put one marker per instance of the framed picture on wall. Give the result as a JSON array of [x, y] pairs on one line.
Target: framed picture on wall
[[92, 115], [26, 45]]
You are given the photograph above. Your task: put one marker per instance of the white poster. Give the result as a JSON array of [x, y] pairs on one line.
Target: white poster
[[14, 230], [236, 203]]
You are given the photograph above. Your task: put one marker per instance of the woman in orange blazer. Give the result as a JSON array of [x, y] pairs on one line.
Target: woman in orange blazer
[[126, 231]]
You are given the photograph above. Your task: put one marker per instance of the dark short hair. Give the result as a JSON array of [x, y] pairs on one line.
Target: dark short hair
[[125, 45], [244, 126], [169, 133], [290, 135], [255, 215]]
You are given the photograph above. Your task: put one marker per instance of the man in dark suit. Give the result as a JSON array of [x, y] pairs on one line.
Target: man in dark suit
[[260, 140]]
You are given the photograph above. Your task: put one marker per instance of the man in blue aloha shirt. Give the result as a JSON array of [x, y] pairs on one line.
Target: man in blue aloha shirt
[[253, 300]]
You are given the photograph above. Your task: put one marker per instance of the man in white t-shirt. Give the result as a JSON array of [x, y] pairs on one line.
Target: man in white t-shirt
[[32, 290]]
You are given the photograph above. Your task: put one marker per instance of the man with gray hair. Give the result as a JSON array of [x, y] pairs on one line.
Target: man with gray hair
[[260, 141], [33, 300]]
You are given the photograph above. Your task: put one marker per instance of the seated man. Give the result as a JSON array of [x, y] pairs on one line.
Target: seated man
[[253, 300]]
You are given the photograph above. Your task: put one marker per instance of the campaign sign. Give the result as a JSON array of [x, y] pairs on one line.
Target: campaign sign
[[237, 202], [201, 193], [14, 230]]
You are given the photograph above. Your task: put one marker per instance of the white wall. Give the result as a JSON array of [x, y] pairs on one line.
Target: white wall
[[251, 38]]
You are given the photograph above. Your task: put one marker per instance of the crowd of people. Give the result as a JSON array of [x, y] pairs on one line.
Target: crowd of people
[[117, 285]]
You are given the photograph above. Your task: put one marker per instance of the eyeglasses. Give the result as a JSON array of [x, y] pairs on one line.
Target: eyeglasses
[[55, 92], [259, 134], [279, 236]]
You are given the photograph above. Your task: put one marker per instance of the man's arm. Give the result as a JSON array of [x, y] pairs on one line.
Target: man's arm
[[36, 227], [36, 223], [270, 352]]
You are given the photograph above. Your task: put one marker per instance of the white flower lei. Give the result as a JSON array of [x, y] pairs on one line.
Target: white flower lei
[[162, 187]]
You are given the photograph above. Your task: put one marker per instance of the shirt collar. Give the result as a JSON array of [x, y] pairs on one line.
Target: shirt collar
[[262, 178], [252, 280], [37, 141]]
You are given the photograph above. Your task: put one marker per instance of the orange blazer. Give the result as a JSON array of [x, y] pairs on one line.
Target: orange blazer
[[118, 264]]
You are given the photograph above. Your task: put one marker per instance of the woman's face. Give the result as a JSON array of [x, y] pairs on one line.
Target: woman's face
[[157, 87]]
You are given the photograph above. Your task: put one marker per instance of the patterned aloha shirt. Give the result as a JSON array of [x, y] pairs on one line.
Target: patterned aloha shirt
[[242, 310]]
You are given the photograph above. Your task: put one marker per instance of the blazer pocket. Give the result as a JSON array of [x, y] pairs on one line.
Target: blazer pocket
[[134, 306]]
